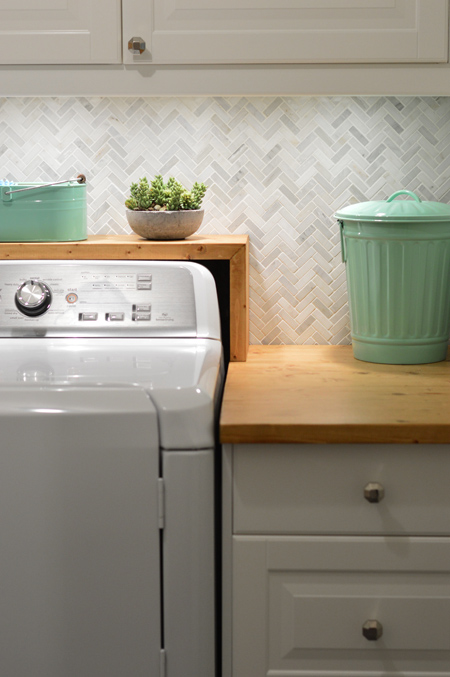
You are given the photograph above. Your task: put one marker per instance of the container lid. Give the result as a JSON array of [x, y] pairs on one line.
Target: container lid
[[396, 210]]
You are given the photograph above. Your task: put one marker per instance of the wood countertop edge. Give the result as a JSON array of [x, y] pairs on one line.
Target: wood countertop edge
[[335, 434]]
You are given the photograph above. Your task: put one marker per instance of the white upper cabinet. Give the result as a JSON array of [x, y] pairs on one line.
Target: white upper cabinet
[[224, 47], [223, 31], [286, 31], [60, 32]]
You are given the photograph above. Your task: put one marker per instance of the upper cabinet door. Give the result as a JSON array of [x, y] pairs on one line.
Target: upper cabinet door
[[60, 31], [287, 31]]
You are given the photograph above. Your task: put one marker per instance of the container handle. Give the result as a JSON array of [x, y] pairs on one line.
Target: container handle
[[343, 252], [6, 195], [79, 179], [404, 192]]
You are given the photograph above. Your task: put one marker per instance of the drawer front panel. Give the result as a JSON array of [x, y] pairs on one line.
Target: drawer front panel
[[319, 489], [301, 603]]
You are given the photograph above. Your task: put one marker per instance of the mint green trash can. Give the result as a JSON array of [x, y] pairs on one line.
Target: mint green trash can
[[397, 256]]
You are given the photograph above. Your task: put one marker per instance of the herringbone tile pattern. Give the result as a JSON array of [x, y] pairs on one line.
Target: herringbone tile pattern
[[277, 168]]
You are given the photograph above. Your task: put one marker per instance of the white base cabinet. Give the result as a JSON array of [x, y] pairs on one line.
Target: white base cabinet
[[303, 575]]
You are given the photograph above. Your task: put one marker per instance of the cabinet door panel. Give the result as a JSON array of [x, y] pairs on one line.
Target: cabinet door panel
[[319, 489], [300, 604], [293, 31], [60, 32]]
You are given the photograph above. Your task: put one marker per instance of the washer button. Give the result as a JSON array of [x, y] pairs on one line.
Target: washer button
[[144, 285], [141, 317], [87, 317], [115, 317], [144, 278], [71, 298], [141, 308]]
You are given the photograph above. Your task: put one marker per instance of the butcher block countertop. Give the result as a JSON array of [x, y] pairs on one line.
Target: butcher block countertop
[[321, 394]]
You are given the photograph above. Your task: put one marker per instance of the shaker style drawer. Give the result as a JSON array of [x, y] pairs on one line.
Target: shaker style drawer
[[341, 489], [335, 606]]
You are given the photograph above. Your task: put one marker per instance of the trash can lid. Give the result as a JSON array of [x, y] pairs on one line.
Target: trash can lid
[[396, 210]]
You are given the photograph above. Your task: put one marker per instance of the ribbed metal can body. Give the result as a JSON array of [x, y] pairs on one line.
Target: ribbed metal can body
[[398, 279]]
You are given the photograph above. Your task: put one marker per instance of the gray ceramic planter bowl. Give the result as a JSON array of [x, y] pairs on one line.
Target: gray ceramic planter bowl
[[165, 225]]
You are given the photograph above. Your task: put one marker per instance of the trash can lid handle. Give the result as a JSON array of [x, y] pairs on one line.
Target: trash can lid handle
[[404, 192]]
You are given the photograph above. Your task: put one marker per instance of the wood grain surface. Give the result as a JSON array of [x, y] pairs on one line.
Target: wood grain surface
[[321, 394], [233, 248], [132, 247]]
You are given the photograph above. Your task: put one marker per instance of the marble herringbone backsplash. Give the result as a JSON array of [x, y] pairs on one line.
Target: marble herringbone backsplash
[[277, 168]]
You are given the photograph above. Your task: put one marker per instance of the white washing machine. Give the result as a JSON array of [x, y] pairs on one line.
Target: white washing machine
[[110, 381]]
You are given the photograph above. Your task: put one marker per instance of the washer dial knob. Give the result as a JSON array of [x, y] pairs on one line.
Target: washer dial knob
[[33, 298]]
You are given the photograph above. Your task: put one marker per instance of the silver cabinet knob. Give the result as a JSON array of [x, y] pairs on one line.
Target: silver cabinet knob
[[374, 492], [372, 630], [136, 45]]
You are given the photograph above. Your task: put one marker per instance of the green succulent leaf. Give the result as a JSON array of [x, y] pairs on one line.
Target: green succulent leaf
[[159, 196], [131, 203]]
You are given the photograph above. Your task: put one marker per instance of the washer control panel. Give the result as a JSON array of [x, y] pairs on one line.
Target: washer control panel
[[97, 298]]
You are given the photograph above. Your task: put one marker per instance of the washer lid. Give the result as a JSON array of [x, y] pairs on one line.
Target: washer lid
[[182, 377], [396, 210]]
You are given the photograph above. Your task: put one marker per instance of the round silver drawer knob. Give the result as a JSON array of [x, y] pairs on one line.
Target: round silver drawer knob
[[374, 492], [136, 45], [372, 630]]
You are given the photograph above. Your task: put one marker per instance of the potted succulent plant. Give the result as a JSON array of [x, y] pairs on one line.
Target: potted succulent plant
[[164, 211]]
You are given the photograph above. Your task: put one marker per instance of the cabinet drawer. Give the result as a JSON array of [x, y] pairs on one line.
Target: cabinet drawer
[[319, 489], [300, 603]]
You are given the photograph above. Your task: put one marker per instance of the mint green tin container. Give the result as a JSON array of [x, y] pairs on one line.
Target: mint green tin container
[[397, 256], [56, 213]]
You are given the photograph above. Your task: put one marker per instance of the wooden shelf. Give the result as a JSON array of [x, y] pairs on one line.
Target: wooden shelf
[[232, 248]]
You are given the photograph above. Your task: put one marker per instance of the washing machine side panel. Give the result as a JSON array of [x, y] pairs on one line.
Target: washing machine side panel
[[189, 563], [79, 537]]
